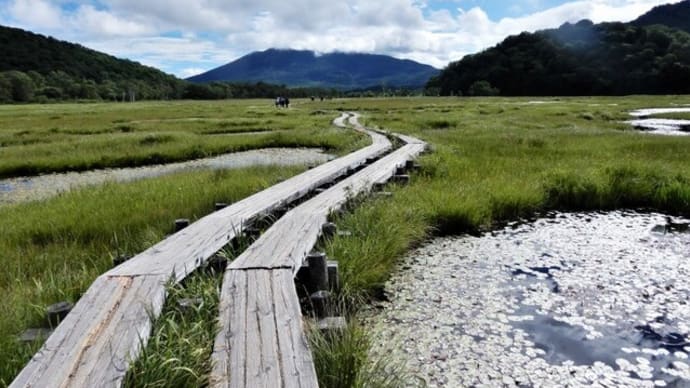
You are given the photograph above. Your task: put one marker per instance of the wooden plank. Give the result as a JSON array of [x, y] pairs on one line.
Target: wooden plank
[[184, 251], [286, 244], [296, 361], [230, 347], [261, 342], [84, 351]]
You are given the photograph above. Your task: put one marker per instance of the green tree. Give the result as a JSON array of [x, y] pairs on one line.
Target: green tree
[[482, 88]]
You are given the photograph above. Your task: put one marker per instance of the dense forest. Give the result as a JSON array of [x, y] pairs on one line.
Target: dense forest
[[35, 68], [642, 57]]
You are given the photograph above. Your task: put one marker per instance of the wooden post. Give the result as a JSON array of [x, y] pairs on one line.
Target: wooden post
[[181, 223], [401, 179], [318, 271], [216, 264], [119, 259], [378, 186], [57, 312], [412, 165], [320, 301], [333, 276], [329, 229]]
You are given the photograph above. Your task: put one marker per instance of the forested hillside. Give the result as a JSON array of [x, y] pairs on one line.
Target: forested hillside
[[643, 57], [35, 67]]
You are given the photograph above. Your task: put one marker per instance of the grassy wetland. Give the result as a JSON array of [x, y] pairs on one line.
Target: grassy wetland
[[493, 160]]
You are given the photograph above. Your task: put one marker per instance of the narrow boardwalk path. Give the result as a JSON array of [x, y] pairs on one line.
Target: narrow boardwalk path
[[262, 342], [95, 343]]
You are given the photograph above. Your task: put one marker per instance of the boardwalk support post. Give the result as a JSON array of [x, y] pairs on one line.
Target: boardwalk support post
[[181, 223], [333, 276], [57, 312], [320, 300], [318, 271]]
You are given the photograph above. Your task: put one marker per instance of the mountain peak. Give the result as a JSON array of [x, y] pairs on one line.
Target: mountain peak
[[310, 69]]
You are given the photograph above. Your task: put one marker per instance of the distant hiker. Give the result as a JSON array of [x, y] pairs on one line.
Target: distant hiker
[[282, 102]]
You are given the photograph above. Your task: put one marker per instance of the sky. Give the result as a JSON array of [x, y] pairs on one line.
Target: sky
[[187, 37]]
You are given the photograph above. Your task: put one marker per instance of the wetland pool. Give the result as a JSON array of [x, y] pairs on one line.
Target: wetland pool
[[661, 126], [568, 299], [23, 189]]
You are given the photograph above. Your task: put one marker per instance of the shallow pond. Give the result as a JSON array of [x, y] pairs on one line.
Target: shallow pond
[[589, 299], [661, 126], [24, 189]]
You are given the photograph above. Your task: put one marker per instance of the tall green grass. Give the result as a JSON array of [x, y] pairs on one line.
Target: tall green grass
[[502, 159], [53, 250], [37, 139]]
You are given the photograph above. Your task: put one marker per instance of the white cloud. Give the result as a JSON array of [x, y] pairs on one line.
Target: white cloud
[[36, 12], [212, 32]]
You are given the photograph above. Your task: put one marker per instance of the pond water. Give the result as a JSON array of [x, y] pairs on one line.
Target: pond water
[[24, 189], [659, 126], [588, 299]]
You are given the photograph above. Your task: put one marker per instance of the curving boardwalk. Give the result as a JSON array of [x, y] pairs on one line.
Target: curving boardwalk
[[262, 342], [95, 343]]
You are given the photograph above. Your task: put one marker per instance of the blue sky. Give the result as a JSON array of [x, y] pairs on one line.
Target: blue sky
[[186, 37]]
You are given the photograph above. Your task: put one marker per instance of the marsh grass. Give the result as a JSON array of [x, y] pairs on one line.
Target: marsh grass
[[53, 250], [494, 159], [36, 139], [178, 353], [500, 160]]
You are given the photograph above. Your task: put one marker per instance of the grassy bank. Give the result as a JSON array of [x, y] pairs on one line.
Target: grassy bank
[[37, 139]]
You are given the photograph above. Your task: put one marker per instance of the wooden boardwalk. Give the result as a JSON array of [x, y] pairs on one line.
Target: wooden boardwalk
[[95, 343], [262, 341]]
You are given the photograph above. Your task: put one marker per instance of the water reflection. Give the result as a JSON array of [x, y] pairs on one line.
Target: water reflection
[[587, 298]]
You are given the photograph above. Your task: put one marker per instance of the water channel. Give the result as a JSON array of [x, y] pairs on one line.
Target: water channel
[[15, 190], [586, 299], [660, 126]]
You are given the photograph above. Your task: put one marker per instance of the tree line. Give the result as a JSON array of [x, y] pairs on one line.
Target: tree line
[[575, 59]]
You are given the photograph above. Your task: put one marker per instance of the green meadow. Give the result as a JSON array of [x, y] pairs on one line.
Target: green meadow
[[492, 160]]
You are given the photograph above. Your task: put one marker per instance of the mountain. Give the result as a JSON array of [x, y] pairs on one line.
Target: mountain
[[63, 69], [308, 69], [580, 59], [671, 15]]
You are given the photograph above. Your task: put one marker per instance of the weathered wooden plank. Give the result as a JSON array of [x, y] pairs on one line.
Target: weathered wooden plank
[[184, 251], [84, 351], [296, 361], [261, 342], [229, 349], [287, 243]]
